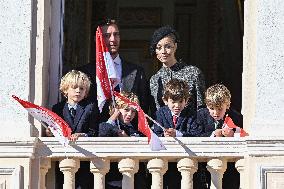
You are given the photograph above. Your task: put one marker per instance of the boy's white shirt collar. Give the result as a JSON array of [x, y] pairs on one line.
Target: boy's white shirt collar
[[72, 106]]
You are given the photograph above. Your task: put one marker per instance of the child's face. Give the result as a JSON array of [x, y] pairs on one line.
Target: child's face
[[218, 113], [127, 114], [75, 94], [176, 106]]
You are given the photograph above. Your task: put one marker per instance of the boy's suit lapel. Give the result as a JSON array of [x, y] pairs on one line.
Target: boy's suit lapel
[[79, 112], [67, 116]]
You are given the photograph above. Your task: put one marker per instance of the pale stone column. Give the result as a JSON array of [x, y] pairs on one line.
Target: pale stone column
[[99, 167], [263, 68], [45, 164], [69, 167], [157, 167], [216, 167], [128, 167], [187, 167], [240, 166]]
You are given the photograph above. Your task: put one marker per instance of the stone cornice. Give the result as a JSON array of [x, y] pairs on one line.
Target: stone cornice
[[18, 147], [115, 148]]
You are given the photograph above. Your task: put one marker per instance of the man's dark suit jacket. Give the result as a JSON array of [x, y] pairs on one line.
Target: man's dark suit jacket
[[206, 123], [86, 118], [133, 80], [164, 117]]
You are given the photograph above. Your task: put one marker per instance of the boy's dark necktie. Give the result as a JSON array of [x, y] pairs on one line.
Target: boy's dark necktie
[[72, 113], [175, 118]]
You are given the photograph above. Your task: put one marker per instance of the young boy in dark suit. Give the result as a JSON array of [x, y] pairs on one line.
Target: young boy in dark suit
[[121, 115], [82, 117], [119, 125], [80, 114], [211, 119], [177, 123]]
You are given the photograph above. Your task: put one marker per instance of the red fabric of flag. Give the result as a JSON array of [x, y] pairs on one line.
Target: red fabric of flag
[[106, 76], [230, 123], [59, 128]]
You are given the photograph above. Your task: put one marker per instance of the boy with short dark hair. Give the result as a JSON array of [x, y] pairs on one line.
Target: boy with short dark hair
[[177, 123], [211, 119]]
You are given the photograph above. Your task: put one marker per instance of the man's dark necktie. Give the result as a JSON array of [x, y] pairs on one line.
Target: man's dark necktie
[[116, 88], [72, 113]]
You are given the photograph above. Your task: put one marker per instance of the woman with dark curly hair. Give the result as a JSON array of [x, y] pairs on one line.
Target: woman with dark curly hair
[[164, 44]]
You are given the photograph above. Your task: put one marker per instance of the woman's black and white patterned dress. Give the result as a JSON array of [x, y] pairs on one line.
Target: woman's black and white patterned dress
[[191, 74]]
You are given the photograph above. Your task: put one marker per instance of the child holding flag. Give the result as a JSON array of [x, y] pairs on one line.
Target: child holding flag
[[82, 117], [119, 125], [80, 114], [121, 116], [176, 122], [213, 120]]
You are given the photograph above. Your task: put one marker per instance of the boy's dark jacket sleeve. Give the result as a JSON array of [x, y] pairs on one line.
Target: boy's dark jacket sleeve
[[109, 130]]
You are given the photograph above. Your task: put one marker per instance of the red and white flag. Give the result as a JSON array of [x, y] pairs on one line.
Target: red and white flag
[[59, 128], [228, 122], [143, 126], [106, 76]]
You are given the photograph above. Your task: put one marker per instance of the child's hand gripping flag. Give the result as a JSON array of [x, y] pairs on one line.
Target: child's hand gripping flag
[[56, 124], [106, 76], [143, 126], [228, 122]]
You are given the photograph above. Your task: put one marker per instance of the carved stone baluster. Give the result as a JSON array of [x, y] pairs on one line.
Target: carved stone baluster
[[99, 167], [240, 166], [69, 167], [45, 164], [187, 167], [128, 167], [216, 167], [157, 167]]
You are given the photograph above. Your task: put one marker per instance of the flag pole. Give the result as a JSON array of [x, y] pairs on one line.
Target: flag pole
[[154, 121], [110, 83]]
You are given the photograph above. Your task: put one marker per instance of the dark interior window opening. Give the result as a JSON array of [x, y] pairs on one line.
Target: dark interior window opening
[[211, 35]]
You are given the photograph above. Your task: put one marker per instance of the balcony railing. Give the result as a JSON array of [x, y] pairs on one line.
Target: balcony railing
[[129, 151]]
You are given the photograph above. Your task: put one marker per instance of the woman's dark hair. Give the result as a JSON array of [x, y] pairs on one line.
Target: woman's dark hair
[[159, 34]]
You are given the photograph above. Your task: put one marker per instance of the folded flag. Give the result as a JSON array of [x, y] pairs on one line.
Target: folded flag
[[55, 123], [228, 122], [143, 126], [106, 76]]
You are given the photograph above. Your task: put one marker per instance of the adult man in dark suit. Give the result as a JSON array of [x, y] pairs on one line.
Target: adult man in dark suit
[[132, 76]]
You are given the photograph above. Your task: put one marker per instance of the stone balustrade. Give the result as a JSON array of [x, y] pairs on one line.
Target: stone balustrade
[[43, 152]]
